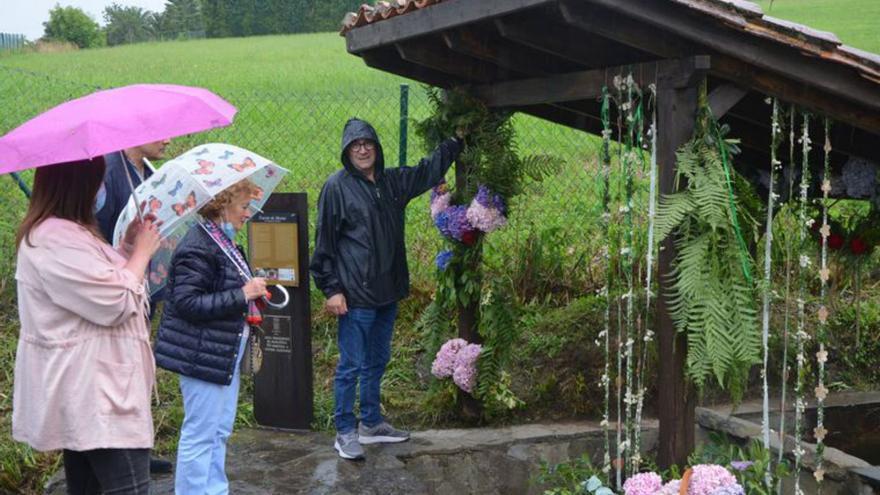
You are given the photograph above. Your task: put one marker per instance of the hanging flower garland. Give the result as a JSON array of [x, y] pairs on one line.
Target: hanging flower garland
[[801, 336], [615, 249], [775, 166], [648, 335], [821, 330], [605, 334], [629, 93], [788, 267]]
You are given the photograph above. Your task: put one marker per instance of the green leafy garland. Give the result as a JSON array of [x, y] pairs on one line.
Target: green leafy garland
[[491, 160], [713, 299]]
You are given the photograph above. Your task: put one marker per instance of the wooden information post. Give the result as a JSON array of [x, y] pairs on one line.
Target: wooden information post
[[279, 250]]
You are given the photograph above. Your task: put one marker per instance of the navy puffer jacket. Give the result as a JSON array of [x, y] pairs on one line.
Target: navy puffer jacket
[[204, 314]]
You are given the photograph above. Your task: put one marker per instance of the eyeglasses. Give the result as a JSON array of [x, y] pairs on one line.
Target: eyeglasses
[[365, 145]]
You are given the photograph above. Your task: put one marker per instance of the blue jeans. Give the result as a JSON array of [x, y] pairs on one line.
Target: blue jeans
[[364, 339], [208, 416]]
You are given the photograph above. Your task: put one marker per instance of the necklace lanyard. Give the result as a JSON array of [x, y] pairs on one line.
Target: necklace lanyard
[[228, 248]]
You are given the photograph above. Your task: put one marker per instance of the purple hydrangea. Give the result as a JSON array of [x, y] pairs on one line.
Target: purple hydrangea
[[442, 259], [486, 211], [741, 465], [734, 489], [643, 484], [486, 198], [453, 223]]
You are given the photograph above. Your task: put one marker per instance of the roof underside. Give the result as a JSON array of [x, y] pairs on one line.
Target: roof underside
[[490, 43]]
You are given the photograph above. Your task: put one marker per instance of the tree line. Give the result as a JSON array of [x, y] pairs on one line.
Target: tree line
[[184, 19]]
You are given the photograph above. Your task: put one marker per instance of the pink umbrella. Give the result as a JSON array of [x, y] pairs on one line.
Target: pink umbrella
[[112, 120]]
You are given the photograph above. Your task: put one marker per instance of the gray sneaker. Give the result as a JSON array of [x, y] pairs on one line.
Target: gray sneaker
[[381, 433], [348, 446]]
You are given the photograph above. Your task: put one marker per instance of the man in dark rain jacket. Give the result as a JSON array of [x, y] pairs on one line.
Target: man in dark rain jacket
[[360, 265]]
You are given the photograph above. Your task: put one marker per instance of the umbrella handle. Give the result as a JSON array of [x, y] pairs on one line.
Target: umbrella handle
[[137, 202], [280, 305]]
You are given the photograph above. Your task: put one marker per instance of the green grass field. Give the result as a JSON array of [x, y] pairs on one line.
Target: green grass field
[[294, 94], [855, 22]]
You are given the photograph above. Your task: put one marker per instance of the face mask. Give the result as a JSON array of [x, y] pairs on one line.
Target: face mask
[[228, 229], [100, 199]]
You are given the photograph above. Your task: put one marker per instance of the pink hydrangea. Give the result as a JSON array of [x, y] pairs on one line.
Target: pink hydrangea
[[444, 362], [485, 218], [465, 374], [439, 202], [707, 478], [643, 484], [671, 488], [458, 359]]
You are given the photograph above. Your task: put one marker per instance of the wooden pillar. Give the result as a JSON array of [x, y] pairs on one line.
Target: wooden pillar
[[676, 115]]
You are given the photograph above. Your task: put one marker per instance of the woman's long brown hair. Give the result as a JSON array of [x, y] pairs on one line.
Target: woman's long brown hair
[[65, 190]]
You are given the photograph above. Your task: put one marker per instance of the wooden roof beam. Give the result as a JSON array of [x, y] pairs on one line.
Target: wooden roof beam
[[578, 47], [641, 34], [724, 97], [591, 19], [433, 54], [585, 85], [490, 48], [437, 18], [766, 55], [564, 116], [387, 59]]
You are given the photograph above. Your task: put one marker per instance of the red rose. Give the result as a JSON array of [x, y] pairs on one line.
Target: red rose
[[858, 246], [469, 238], [835, 241]]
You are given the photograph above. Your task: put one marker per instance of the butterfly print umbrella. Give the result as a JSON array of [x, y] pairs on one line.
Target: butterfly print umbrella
[[184, 184]]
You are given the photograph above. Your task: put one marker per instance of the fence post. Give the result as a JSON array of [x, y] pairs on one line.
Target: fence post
[[404, 120], [21, 184]]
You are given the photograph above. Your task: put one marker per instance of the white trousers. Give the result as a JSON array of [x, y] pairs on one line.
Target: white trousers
[[208, 416]]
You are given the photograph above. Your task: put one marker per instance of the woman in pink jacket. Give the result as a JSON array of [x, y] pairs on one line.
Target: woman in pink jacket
[[84, 370]]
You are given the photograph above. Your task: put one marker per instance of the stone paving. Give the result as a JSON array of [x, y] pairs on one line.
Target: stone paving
[[454, 462]]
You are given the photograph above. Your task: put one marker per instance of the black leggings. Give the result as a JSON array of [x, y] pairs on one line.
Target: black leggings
[[107, 471]]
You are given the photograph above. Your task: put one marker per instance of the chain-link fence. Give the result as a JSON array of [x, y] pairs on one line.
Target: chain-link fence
[[546, 249]]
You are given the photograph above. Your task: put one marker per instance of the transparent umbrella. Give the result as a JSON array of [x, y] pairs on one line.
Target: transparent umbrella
[[176, 192]]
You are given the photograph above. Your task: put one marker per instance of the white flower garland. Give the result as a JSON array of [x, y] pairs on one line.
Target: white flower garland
[[801, 336], [775, 165], [822, 355]]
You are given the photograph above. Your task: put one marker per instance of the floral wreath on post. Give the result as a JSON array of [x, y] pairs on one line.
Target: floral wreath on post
[[493, 175], [464, 224]]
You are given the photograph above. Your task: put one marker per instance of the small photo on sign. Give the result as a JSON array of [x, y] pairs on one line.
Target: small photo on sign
[[287, 275]]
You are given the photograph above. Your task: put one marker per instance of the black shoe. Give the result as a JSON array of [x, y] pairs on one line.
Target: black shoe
[[160, 466]]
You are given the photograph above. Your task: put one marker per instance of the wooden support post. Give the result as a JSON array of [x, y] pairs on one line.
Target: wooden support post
[[468, 315], [676, 114]]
